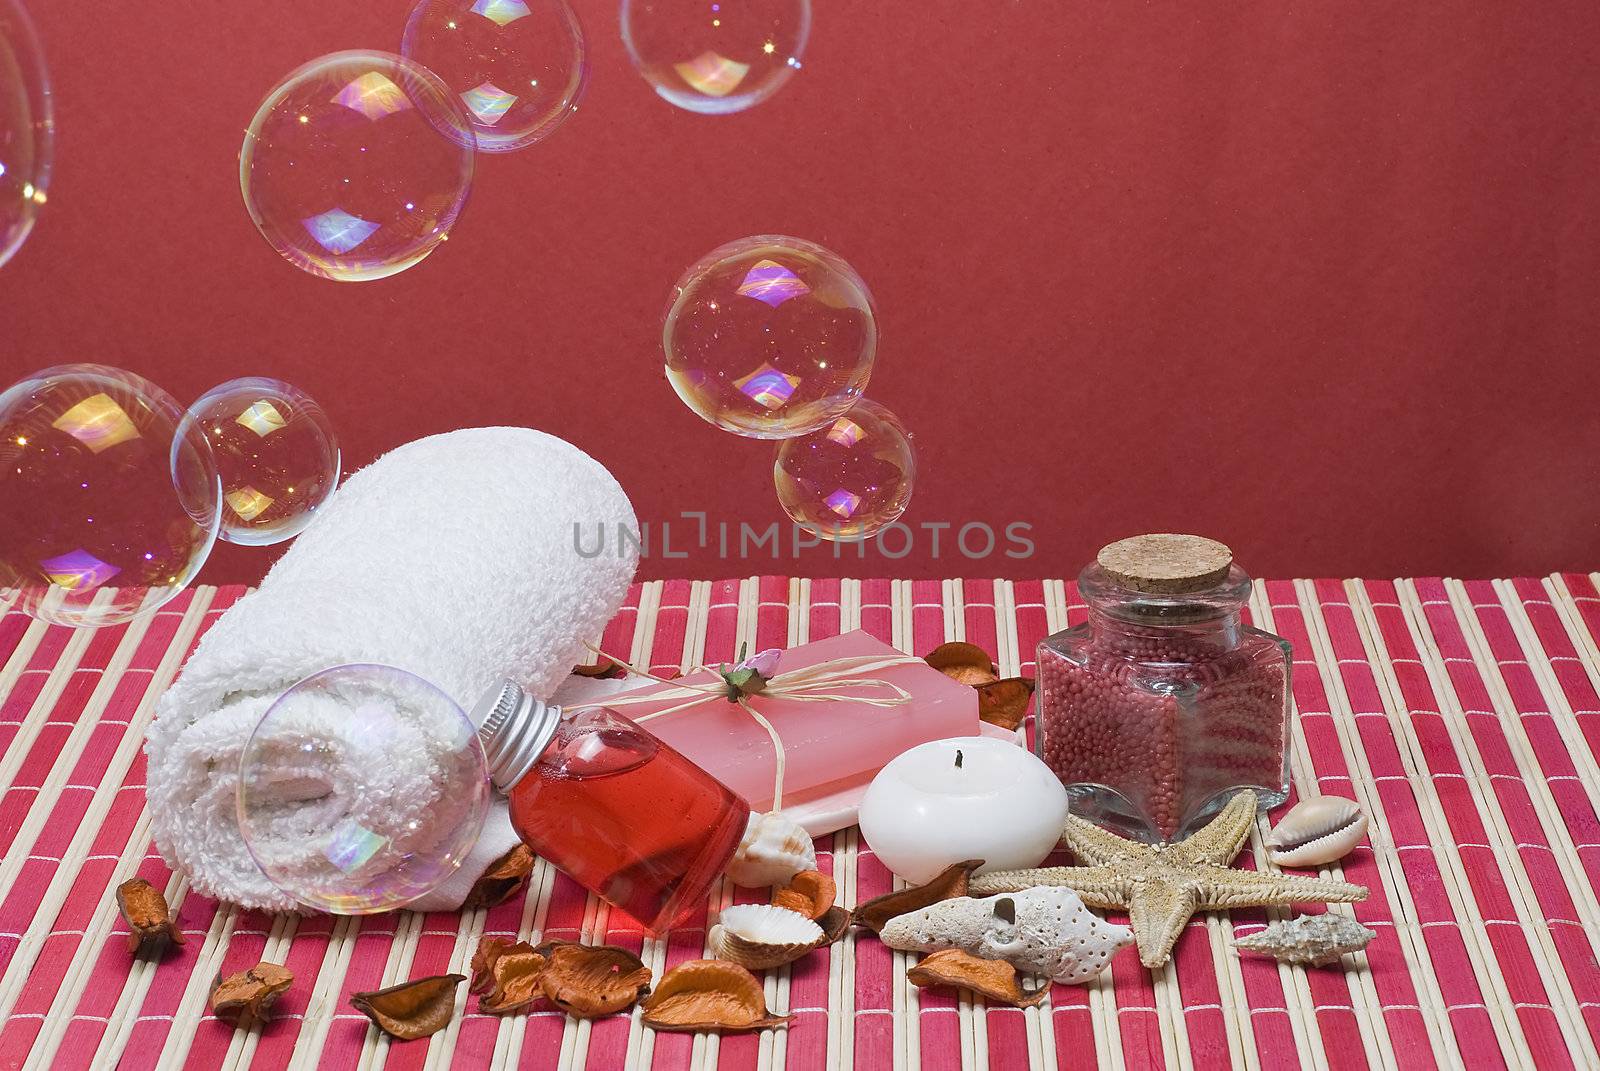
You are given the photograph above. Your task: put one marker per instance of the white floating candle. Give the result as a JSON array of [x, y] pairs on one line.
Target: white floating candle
[[969, 797]]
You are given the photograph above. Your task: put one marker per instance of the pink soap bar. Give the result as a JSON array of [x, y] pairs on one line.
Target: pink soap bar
[[832, 749]]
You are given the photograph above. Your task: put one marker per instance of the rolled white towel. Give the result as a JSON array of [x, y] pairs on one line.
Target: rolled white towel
[[452, 557]]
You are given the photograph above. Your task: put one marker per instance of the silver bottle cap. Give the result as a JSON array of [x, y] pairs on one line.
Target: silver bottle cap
[[514, 729]]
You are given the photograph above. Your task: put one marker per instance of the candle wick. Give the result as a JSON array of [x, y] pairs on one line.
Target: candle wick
[[958, 760]]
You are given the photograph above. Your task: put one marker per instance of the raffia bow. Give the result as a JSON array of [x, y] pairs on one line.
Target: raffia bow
[[819, 683]]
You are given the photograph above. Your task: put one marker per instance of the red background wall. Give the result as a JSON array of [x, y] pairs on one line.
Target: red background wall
[[1317, 279]]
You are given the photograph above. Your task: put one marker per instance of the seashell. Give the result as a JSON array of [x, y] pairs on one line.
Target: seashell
[[1045, 930], [1314, 939], [775, 848], [759, 936], [1317, 831]]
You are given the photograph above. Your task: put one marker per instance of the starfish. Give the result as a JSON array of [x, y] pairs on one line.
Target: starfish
[[1161, 885]]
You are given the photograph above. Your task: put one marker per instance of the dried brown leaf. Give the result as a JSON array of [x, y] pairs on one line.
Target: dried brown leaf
[[964, 662], [604, 670], [516, 980], [503, 879], [709, 995], [1005, 703], [950, 883], [809, 892], [835, 923], [413, 1009], [994, 980], [149, 921], [250, 992], [587, 981]]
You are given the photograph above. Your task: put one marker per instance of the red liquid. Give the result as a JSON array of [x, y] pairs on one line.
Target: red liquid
[[629, 818]]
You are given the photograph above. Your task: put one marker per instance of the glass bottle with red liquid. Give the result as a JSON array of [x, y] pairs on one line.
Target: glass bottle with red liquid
[[1163, 704], [617, 810]]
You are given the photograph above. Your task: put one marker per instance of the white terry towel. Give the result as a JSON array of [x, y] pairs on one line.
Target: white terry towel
[[452, 557]]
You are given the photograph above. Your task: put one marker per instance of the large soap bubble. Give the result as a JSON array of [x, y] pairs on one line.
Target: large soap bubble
[[851, 479], [109, 506], [716, 56], [362, 788], [276, 453], [27, 128], [518, 66], [356, 165], [770, 337]]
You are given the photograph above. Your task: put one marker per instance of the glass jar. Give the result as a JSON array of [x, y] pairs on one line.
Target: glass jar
[[1163, 704], [613, 807]]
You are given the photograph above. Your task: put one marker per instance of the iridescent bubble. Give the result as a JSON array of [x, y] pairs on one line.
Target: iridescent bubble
[[518, 66], [716, 56], [276, 454], [27, 129], [848, 480], [357, 165], [770, 337], [362, 788], [109, 506]]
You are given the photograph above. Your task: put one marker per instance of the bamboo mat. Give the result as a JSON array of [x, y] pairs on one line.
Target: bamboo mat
[[1464, 716]]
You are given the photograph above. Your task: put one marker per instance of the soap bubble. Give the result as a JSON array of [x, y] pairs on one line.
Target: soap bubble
[[518, 66], [357, 165], [276, 454], [108, 506], [770, 337], [362, 788], [716, 56], [851, 479], [27, 129]]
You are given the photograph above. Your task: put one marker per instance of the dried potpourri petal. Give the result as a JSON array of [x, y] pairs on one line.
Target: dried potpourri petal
[[1002, 702], [1005, 703], [490, 948], [950, 882], [964, 662], [587, 981], [250, 992], [835, 923], [516, 980], [709, 995], [809, 892], [993, 979], [503, 879], [413, 1009], [149, 920], [603, 670]]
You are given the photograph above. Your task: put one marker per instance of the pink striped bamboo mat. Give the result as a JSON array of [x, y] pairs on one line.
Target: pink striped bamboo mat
[[1464, 716]]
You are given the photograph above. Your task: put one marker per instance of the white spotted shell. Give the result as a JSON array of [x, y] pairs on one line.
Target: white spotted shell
[[1317, 940], [775, 848], [1317, 831], [1045, 930], [759, 936]]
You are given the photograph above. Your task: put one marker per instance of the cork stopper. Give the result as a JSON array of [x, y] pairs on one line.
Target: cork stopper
[[1166, 564]]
